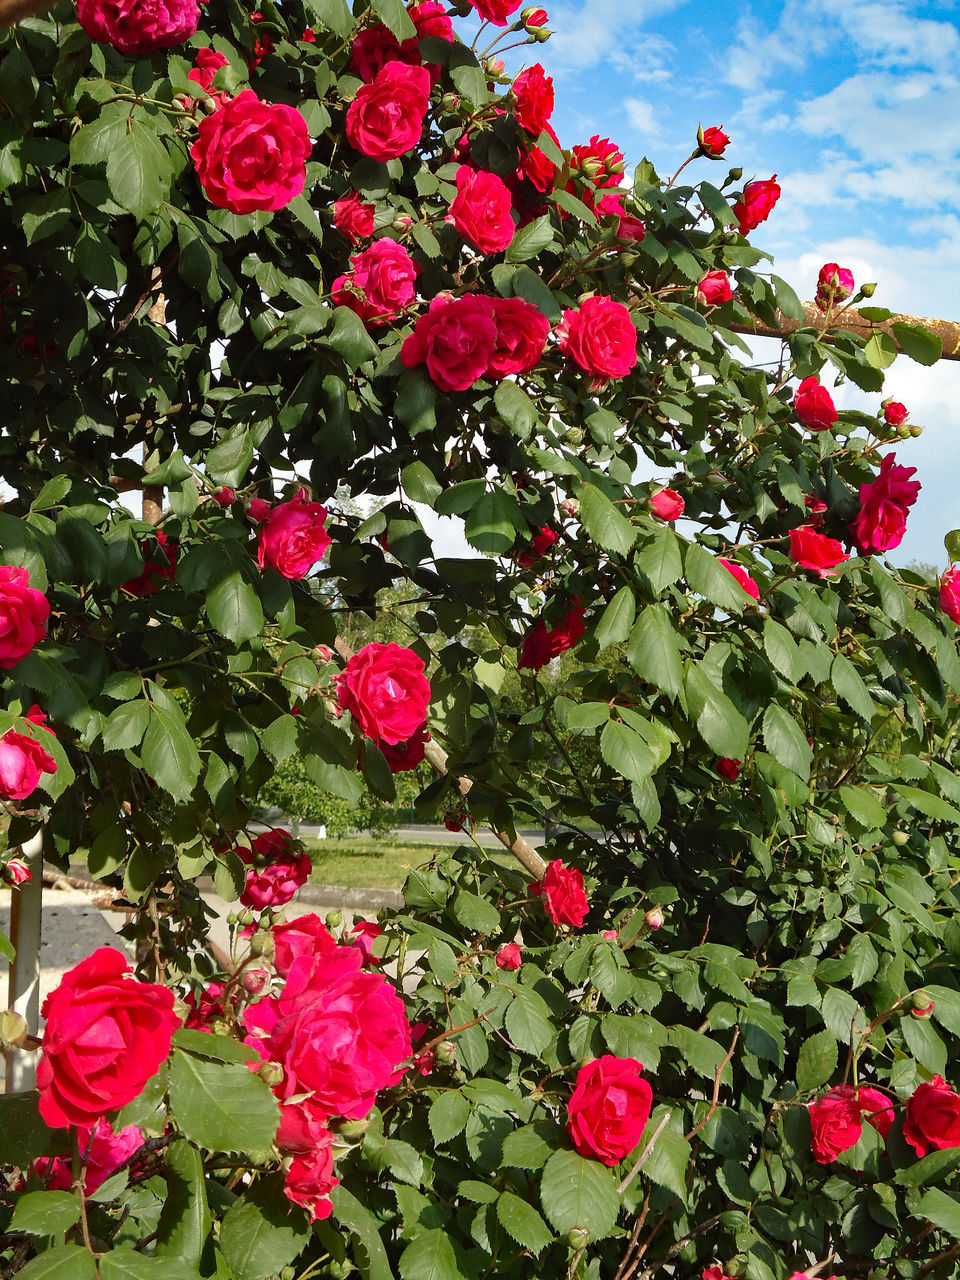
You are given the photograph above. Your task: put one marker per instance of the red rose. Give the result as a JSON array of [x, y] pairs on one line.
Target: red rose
[[23, 615], [537, 167], [667, 504], [482, 210], [139, 26], [932, 1121], [373, 48], [598, 161], [630, 228], [609, 1108], [894, 412], [22, 763], [106, 1035], [496, 11], [533, 18], [404, 756], [757, 203], [352, 217], [456, 339], [835, 1123], [143, 584], [600, 338], [208, 63], [541, 645], [262, 45], [430, 18], [728, 768], [565, 901], [364, 932], [522, 331], [713, 141], [292, 537], [741, 575], [309, 1178], [15, 873], [814, 405], [340, 1032], [381, 285], [533, 99], [833, 285], [884, 503], [304, 936], [258, 509], [540, 544], [105, 1152], [385, 690], [206, 1006], [877, 1108], [385, 119], [950, 593], [278, 868], [714, 288], [251, 154], [508, 957], [816, 551]]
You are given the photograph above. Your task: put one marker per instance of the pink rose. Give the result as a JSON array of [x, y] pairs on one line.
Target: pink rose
[[540, 645], [814, 405], [600, 337], [884, 503], [877, 1108], [352, 217], [15, 873], [106, 1035], [654, 918], [714, 288], [145, 584], [833, 285], [508, 957], [23, 615], [950, 593], [482, 210], [105, 1154], [496, 11], [741, 575], [385, 119], [667, 504], [207, 63], [522, 331], [381, 285], [715, 1273], [278, 868], [533, 99], [932, 1121], [386, 691], [812, 550], [293, 538], [609, 1108], [305, 936], [251, 154], [713, 141], [139, 26], [728, 768], [340, 1033], [404, 756], [22, 763], [565, 901], [456, 339], [757, 203], [373, 48], [894, 413], [364, 932], [835, 1123]]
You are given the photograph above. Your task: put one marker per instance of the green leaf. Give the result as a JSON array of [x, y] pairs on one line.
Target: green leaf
[[207, 1097], [493, 522], [625, 751], [521, 1221], [93, 143], [218, 1048], [816, 1061], [928, 803], [370, 1255], [605, 523], [617, 619], [516, 408], [942, 1210], [229, 462], [420, 484], [528, 1021], [448, 1115], [169, 752], [68, 1262], [430, 1257], [718, 721], [139, 170], [25, 1135], [393, 14], [263, 1232], [127, 1264], [52, 493], [712, 580], [654, 650], [848, 684], [786, 741], [880, 350], [530, 241], [185, 1220], [918, 342], [863, 806], [931, 1168], [350, 339], [476, 913], [661, 560], [234, 608], [781, 648], [576, 1192], [531, 1146], [45, 1213], [787, 300]]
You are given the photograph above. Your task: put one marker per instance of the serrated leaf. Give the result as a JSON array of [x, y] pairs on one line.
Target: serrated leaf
[[138, 170], [430, 1257], [848, 685], [816, 1061], [530, 241], [712, 580], [420, 484], [45, 1213], [523, 1223], [531, 1146], [942, 1210], [654, 650], [169, 752], [393, 14], [625, 751], [263, 1231], [448, 1115], [528, 1021], [786, 742], [207, 1097], [718, 721], [371, 1256], [918, 342], [67, 1262], [605, 523], [661, 559], [234, 608], [575, 1192], [863, 806], [616, 621]]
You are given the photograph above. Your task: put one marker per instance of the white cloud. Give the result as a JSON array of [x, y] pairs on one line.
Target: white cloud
[[592, 33], [640, 113]]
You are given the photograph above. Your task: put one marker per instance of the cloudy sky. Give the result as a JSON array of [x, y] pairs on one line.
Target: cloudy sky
[[855, 105]]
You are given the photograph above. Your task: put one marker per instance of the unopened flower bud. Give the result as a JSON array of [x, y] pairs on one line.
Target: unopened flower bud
[[225, 496], [916, 430], [232, 919], [450, 102], [13, 1030], [921, 1005], [611, 935], [261, 944], [541, 34], [900, 838], [578, 1238], [255, 980], [271, 1073], [532, 17], [570, 507], [246, 917], [654, 918], [351, 1130], [333, 919], [446, 1052], [15, 872], [868, 290], [494, 66], [735, 174], [323, 652]]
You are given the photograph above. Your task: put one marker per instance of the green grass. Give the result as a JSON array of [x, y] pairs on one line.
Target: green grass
[[366, 862]]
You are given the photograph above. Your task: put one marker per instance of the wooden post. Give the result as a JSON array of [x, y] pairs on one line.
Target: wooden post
[[26, 915]]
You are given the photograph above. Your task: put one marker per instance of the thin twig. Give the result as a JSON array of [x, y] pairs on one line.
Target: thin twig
[[716, 1087], [645, 1153]]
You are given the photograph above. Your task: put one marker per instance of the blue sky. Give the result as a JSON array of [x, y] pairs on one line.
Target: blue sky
[[855, 104]]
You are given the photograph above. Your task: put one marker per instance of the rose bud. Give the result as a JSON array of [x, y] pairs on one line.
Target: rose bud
[[255, 980], [921, 1005], [258, 509], [654, 918], [271, 1073], [570, 507], [578, 1238], [225, 496], [13, 1030], [508, 957], [323, 652], [532, 18], [611, 935], [446, 1052], [667, 504], [16, 872], [713, 142], [454, 821], [333, 919], [894, 413]]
